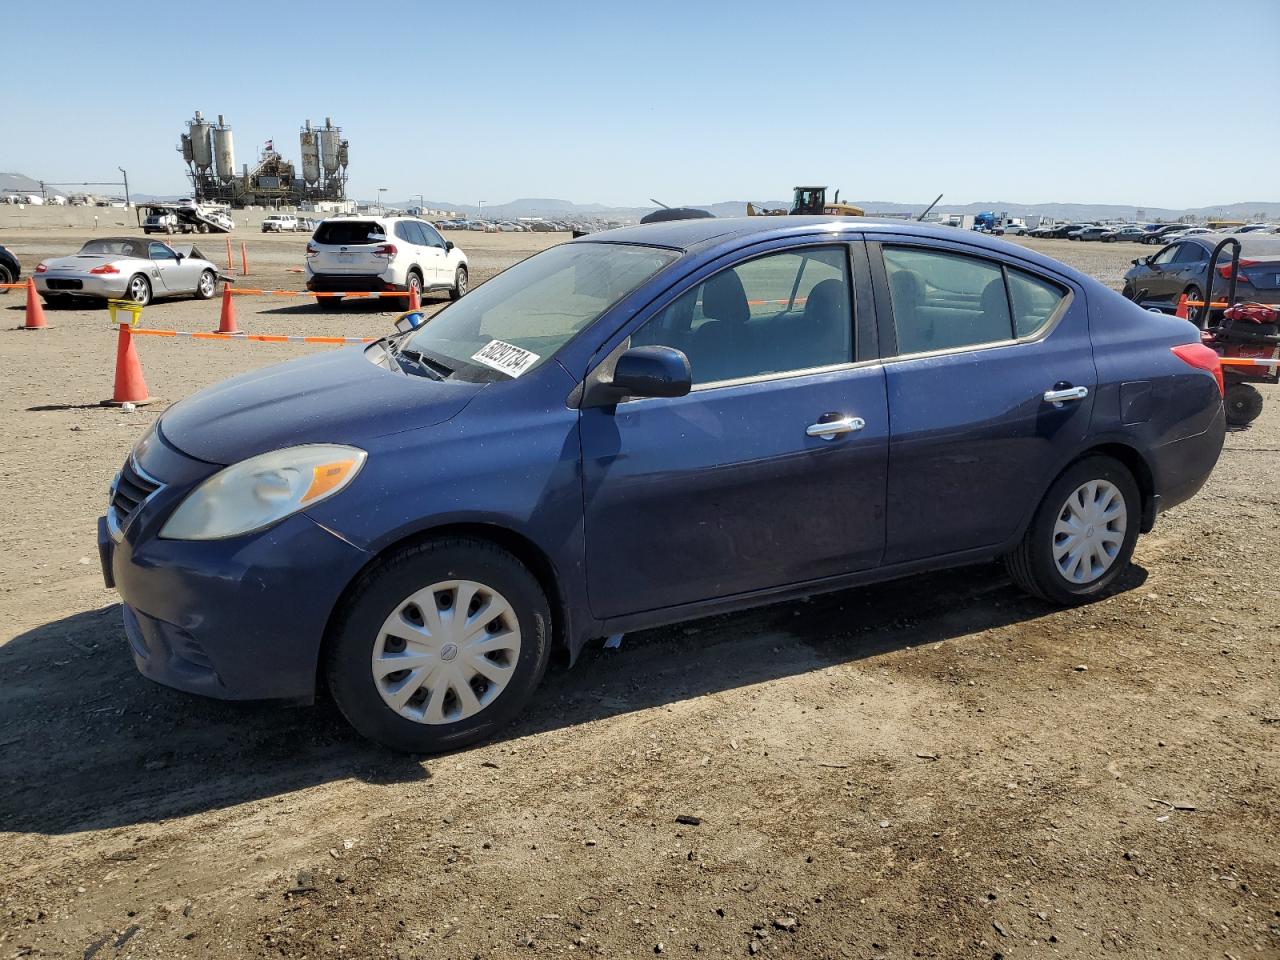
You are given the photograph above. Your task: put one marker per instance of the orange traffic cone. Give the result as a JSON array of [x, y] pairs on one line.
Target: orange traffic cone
[[227, 322], [415, 302], [129, 387], [1181, 312], [35, 309]]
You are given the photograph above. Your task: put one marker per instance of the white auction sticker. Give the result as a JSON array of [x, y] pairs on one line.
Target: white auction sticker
[[505, 357]]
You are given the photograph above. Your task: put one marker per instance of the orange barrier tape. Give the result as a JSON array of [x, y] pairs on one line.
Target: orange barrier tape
[[256, 292], [1200, 303], [253, 337], [1248, 362], [14, 286]]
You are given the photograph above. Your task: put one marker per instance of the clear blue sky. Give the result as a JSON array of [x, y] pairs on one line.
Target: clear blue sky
[[690, 101]]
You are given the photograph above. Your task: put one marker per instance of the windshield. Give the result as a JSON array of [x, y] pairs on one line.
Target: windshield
[[514, 322]]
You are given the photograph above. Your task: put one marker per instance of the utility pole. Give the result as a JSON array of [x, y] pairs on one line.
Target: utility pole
[[125, 174], [480, 210]]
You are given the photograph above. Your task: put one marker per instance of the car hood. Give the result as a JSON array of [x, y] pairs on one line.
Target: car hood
[[338, 397]]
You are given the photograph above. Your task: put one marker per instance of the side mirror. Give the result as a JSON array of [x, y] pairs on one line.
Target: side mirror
[[448, 245], [643, 372]]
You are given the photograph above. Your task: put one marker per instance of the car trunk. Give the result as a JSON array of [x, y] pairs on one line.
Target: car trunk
[[347, 246]]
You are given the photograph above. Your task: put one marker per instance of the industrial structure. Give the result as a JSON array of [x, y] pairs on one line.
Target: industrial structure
[[273, 181]]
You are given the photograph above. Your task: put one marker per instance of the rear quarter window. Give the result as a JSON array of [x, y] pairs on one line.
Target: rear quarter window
[[1034, 301], [350, 233]]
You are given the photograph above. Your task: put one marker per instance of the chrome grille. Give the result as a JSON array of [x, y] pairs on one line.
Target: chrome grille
[[131, 488]]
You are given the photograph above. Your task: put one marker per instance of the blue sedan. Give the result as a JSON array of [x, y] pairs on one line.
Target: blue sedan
[[638, 427]]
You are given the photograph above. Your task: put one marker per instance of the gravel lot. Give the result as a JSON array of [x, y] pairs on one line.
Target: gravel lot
[[939, 767]]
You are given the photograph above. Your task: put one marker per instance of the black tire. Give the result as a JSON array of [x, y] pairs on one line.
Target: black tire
[[5, 276], [460, 281], [139, 289], [378, 592], [411, 280], [203, 228], [1194, 313], [1243, 403], [207, 286], [1031, 564]]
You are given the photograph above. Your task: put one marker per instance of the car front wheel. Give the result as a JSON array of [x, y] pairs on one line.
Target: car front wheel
[[1082, 536], [439, 646], [207, 286], [459, 284]]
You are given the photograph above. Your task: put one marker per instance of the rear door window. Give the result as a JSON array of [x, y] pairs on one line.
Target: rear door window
[[942, 301], [408, 231], [350, 232], [1191, 253]]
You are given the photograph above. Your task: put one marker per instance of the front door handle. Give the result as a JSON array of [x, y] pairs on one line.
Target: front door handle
[[831, 429], [1066, 393]]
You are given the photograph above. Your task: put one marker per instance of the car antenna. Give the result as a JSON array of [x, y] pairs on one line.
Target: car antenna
[[659, 203], [928, 208]]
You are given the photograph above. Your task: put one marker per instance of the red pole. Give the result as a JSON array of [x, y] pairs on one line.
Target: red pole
[[244, 261], [231, 264]]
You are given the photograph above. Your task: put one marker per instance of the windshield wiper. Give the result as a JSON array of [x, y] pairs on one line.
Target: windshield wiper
[[432, 368]]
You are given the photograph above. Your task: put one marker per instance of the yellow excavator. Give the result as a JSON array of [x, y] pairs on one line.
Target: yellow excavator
[[809, 201]]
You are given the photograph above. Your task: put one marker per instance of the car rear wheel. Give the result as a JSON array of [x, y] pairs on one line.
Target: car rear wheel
[[413, 284], [439, 646], [459, 284], [139, 289], [207, 286], [1243, 404], [1082, 536]]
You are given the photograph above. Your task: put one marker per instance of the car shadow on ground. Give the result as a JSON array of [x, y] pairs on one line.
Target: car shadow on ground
[[87, 743]]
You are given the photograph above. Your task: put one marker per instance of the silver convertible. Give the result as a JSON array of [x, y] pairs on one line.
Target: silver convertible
[[127, 268]]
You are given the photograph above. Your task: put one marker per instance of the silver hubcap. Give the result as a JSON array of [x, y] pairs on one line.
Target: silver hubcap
[[206, 285], [446, 652], [1090, 531], [139, 290], [462, 282]]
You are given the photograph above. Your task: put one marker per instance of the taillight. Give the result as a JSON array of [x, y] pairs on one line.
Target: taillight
[[387, 250], [41, 268], [312, 249], [1202, 358], [105, 268], [1224, 270]]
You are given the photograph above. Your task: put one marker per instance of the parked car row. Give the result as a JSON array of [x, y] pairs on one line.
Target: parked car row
[[1158, 281]]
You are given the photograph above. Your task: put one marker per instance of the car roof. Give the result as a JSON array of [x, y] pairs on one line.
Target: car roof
[[692, 236], [1250, 243]]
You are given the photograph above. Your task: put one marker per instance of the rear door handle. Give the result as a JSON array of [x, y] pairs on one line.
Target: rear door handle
[[833, 428], [1066, 393]]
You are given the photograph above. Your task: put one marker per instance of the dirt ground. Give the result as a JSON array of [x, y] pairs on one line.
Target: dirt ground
[[934, 768]]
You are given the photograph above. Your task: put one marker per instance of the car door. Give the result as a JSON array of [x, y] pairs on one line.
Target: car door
[[990, 389], [169, 276], [1158, 277], [437, 254], [771, 471]]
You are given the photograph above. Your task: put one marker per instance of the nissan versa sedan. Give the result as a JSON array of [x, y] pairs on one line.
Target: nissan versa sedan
[[638, 427]]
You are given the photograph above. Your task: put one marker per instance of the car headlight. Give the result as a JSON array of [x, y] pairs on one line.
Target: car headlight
[[263, 490]]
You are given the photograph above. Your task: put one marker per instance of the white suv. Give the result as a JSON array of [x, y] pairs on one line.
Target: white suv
[[279, 223], [384, 253]]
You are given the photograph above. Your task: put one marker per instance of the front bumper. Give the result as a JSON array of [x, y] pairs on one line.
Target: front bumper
[[238, 619], [113, 287]]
